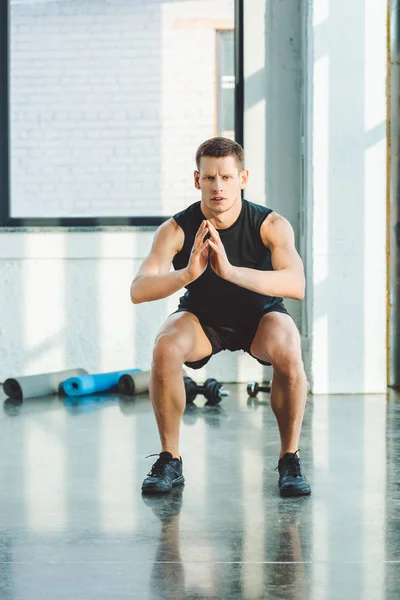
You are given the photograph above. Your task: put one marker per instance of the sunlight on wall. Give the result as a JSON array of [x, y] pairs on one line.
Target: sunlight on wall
[[375, 196], [320, 12], [321, 179], [248, 368], [375, 65], [321, 355], [321, 169], [117, 317], [349, 196], [43, 313], [374, 263], [320, 433]]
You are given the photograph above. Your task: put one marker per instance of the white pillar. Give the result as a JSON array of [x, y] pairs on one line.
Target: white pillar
[[346, 194]]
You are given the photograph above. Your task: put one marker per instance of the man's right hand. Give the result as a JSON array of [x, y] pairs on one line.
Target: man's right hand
[[199, 256]]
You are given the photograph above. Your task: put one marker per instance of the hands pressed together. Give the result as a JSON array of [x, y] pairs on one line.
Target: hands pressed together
[[212, 248]]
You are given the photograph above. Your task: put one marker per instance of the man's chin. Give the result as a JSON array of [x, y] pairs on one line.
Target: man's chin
[[221, 206]]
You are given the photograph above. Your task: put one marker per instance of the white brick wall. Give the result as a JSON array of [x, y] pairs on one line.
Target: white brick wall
[[109, 101]]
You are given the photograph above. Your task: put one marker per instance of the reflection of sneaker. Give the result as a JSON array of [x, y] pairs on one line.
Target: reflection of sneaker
[[165, 506], [290, 510], [165, 473], [292, 482]]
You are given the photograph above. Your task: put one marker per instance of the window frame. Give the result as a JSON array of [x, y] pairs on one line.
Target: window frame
[[6, 220]]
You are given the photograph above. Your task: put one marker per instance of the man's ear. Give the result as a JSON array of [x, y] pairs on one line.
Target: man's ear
[[197, 180], [244, 178]]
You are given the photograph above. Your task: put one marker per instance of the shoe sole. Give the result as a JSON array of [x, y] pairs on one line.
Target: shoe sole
[[292, 493], [154, 490]]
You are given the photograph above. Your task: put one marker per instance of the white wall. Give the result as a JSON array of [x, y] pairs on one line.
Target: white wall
[[346, 195], [66, 303]]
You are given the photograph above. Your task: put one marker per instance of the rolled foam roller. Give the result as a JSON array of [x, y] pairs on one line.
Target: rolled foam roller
[[92, 384], [135, 383], [33, 386]]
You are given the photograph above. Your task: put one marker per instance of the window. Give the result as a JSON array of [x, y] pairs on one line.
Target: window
[[101, 111], [226, 84]]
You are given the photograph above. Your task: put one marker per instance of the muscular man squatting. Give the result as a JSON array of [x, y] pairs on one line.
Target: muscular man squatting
[[237, 261]]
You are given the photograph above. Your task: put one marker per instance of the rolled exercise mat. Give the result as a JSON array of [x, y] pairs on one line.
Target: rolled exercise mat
[[92, 384], [33, 386], [137, 383]]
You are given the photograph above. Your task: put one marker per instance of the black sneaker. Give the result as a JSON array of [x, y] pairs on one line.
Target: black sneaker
[[165, 473], [291, 480]]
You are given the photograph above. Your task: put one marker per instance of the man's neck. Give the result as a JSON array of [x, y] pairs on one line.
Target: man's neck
[[225, 219]]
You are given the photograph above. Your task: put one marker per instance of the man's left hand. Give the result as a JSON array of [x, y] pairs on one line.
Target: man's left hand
[[218, 259]]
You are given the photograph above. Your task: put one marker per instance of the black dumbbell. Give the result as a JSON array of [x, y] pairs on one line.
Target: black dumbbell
[[253, 388], [212, 389]]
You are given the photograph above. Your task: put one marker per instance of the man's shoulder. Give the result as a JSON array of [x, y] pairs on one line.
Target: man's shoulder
[[275, 228], [189, 210], [260, 208], [257, 214]]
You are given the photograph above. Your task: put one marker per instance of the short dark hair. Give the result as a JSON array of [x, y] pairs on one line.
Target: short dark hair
[[219, 147]]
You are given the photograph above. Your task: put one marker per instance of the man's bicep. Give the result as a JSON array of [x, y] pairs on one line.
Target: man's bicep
[[286, 257]]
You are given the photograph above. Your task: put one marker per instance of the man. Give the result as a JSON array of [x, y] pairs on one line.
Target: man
[[237, 260]]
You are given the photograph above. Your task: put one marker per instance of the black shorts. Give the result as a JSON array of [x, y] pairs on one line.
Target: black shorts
[[236, 337]]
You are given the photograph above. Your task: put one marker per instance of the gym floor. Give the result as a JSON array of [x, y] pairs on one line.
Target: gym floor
[[74, 523]]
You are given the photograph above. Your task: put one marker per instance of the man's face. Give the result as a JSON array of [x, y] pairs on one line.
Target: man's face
[[220, 182]]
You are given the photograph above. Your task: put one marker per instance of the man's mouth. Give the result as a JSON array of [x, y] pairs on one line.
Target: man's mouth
[[218, 198]]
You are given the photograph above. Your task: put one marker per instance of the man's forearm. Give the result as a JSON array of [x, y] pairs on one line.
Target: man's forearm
[[283, 283], [146, 288]]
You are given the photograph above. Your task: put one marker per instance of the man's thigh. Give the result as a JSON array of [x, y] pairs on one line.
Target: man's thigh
[[276, 333], [185, 330]]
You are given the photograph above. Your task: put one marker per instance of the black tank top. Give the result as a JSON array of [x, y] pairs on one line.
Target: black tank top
[[212, 299]]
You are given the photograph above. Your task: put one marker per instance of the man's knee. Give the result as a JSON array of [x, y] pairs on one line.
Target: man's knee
[[287, 361], [169, 353]]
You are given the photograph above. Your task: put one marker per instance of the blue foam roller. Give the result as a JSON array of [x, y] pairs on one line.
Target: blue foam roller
[[92, 384]]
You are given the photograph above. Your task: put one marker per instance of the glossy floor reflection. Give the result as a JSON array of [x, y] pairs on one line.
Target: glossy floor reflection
[[74, 524]]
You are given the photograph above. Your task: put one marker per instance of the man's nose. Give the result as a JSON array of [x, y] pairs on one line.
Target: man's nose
[[217, 184]]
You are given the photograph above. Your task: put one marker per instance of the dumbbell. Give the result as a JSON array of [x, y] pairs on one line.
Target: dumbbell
[[253, 388], [212, 389]]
